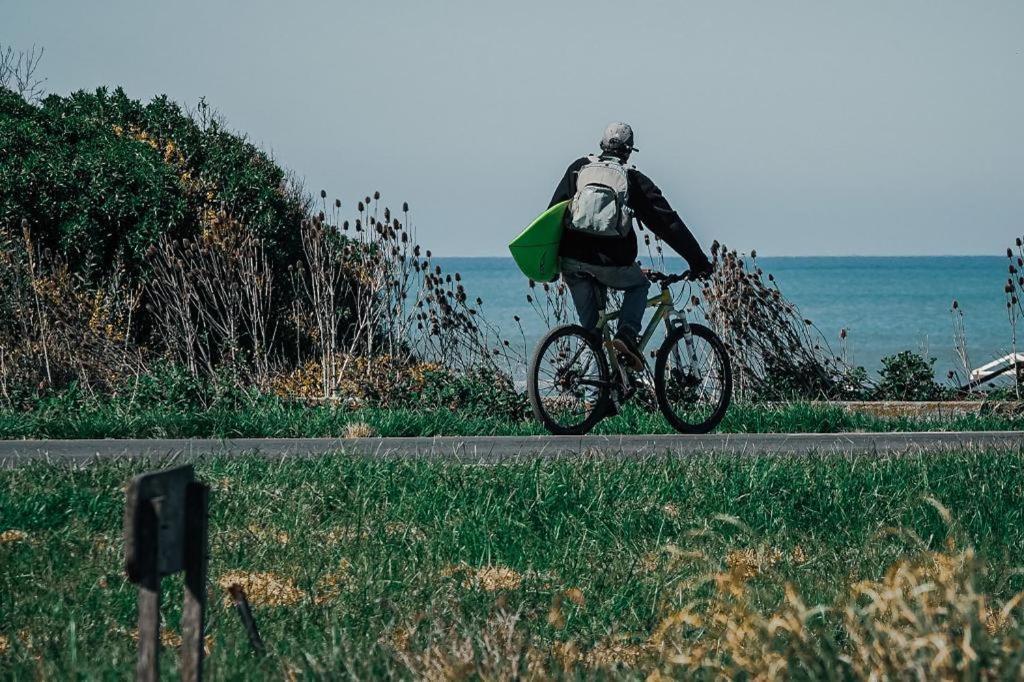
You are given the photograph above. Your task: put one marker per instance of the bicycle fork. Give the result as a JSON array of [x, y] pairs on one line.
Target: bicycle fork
[[680, 321]]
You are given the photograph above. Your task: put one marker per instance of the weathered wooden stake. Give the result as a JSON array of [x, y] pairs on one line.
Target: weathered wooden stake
[[196, 558], [148, 667], [165, 531]]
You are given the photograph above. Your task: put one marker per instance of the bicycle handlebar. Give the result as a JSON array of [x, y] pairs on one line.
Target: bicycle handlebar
[[666, 280]]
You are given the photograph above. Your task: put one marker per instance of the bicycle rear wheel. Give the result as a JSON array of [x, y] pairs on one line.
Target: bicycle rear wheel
[[693, 403], [568, 383]]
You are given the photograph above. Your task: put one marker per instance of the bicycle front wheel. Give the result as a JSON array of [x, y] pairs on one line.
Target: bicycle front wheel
[[568, 381], [694, 386]]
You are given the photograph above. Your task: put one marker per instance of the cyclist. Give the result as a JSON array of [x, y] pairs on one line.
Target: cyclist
[[599, 247]]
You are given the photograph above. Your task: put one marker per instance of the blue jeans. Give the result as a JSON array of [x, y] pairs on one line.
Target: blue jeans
[[588, 285]]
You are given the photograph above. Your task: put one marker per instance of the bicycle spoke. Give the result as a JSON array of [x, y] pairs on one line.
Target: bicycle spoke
[[695, 391], [569, 381]]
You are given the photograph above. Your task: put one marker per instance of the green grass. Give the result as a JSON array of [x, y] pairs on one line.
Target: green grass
[[271, 418], [392, 531]]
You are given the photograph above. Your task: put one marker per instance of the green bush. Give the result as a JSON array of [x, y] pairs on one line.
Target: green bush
[[170, 386], [908, 376], [100, 177], [854, 385], [480, 392]]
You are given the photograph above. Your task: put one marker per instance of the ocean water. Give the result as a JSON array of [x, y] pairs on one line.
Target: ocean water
[[886, 304]]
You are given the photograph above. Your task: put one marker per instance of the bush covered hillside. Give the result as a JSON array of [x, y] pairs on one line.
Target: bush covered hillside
[[100, 177], [145, 243]]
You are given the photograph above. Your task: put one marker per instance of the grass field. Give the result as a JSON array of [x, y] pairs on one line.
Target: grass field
[[702, 566], [281, 419]]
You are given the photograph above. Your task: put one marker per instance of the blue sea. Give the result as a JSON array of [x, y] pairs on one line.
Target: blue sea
[[886, 304]]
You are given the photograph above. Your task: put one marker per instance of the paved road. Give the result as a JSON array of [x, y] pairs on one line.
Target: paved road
[[498, 448]]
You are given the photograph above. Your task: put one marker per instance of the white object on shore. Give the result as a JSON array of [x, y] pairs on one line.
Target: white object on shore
[[995, 368]]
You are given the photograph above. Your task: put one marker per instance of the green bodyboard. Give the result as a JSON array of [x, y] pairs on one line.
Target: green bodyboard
[[535, 250]]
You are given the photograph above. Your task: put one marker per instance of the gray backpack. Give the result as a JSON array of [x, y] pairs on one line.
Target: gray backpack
[[602, 192]]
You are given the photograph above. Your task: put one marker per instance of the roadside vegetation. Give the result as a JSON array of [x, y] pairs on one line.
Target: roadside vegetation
[[145, 247], [796, 568], [264, 417]]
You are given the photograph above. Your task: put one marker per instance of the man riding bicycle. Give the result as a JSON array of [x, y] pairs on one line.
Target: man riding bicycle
[[599, 246]]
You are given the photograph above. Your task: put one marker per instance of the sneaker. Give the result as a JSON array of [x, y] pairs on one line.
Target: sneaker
[[626, 344]]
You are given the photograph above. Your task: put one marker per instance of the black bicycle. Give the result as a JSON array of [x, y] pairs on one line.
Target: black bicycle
[[577, 378]]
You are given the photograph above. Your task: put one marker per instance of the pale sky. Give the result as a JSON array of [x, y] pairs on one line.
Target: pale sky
[[795, 128]]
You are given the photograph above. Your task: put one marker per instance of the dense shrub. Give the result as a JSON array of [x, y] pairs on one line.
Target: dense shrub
[[169, 386], [388, 382], [136, 233], [480, 393], [100, 177], [908, 376]]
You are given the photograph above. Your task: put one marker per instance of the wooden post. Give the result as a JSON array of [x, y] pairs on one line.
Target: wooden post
[[165, 531], [148, 666], [196, 558]]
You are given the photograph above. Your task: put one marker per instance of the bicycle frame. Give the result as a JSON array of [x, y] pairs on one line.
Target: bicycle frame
[[664, 311]]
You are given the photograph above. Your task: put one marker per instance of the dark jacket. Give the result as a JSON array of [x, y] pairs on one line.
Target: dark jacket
[[650, 207]]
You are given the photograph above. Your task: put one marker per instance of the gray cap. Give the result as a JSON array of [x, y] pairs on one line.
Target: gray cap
[[618, 137]]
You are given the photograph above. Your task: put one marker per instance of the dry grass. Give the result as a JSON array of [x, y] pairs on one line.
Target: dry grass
[[486, 578], [170, 639], [331, 585], [925, 619], [10, 536], [359, 430], [262, 588]]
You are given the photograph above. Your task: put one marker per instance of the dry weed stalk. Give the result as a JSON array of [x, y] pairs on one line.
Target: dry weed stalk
[[321, 278], [56, 329], [775, 352], [373, 291], [960, 342], [358, 296], [18, 71], [211, 299], [554, 306], [1014, 290]]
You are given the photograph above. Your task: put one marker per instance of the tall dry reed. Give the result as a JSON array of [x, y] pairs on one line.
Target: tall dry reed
[[56, 329]]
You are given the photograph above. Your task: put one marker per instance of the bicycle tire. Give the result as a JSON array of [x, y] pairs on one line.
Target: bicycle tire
[[600, 406], [661, 389]]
